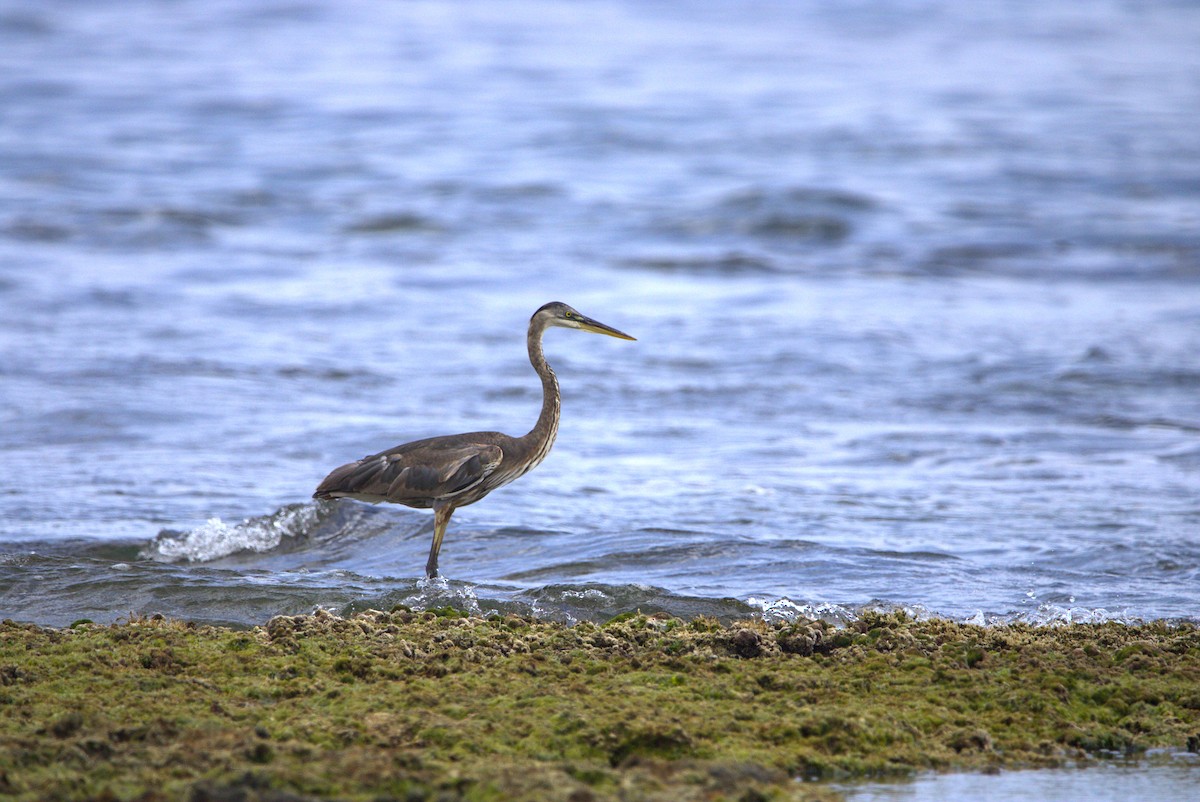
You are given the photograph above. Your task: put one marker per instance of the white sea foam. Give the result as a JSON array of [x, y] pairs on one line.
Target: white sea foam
[[438, 592], [1053, 615], [1050, 614], [784, 609], [215, 539]]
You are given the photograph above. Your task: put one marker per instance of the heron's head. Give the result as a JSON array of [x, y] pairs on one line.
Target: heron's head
[[556, 313]]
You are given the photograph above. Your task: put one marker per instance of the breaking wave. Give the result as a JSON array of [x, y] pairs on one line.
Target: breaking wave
[[215, 539]]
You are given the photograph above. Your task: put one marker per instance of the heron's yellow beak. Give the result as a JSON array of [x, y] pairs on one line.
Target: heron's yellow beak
[[587, 324]]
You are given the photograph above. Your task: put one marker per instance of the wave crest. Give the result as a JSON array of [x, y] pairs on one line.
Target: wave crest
[[215, 539]]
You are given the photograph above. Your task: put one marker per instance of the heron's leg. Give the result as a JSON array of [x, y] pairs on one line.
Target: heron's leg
[[441, 517]]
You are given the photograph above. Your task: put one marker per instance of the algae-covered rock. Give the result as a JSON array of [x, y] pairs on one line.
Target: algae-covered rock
[[440, 705]]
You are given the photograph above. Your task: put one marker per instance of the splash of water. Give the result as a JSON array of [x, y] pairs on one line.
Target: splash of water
[[215, 538], [784, 609]]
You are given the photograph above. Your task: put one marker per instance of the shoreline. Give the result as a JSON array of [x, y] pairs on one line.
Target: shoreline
[[440, 705]]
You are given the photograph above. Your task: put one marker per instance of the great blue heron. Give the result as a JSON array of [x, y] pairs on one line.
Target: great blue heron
[[446, 473]]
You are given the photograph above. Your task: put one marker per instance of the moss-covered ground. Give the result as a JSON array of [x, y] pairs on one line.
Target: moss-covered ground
[[437, 706]]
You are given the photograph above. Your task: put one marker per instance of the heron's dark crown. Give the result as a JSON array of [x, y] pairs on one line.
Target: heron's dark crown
[[556, 308]]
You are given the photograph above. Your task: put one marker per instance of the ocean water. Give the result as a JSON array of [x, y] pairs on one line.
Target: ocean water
[[916, 287]]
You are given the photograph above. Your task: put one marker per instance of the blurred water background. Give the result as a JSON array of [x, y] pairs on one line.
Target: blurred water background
[[916, 287]]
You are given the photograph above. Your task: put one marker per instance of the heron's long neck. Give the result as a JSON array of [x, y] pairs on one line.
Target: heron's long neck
[[541, 437]]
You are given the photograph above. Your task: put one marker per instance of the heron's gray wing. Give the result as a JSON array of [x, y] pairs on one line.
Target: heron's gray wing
[[416, 474]]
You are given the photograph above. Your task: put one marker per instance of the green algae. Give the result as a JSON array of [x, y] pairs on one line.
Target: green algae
[[439, 705]]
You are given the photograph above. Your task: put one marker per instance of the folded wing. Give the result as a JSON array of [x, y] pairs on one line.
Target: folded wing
[[417, 474]]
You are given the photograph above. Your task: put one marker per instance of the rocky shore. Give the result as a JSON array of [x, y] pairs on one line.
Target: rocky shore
[[439, 706]]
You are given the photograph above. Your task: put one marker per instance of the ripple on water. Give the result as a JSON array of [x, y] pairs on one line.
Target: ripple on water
[[866, 339]]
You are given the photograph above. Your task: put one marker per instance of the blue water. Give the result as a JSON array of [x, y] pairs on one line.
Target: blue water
[[916, 287], [1165, 777]]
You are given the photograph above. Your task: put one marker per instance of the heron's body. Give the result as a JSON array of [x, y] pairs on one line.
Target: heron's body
[[445, 473]]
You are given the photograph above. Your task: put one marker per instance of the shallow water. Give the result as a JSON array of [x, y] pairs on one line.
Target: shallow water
[[915, 288], [1166, 778]]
